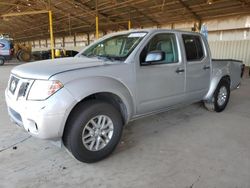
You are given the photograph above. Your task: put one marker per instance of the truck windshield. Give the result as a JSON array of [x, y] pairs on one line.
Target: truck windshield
[[115, 48]]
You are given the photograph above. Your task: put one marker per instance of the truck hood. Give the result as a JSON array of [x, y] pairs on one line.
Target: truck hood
[[47, 68]]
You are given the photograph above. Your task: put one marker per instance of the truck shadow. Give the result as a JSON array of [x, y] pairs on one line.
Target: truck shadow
[[140, 129]]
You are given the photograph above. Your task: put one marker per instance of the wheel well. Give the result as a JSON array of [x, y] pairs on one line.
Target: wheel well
[[107, 97], [227, 78]]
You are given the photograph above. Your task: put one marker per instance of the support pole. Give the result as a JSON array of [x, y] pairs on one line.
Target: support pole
[[129, 24], [74, 40], [96, 27], [172, 25], [129, 21], [51, 35], [96, 21], [63, 42], [88, 40], [199, 26]]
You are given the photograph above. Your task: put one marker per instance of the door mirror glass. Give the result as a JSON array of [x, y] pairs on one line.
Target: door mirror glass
[[154, 57]]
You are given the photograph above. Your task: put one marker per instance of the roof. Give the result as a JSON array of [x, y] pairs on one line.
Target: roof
[[152, 31], [78, 16]]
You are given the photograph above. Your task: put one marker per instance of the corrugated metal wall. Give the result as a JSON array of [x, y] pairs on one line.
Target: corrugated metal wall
[[239, 50]]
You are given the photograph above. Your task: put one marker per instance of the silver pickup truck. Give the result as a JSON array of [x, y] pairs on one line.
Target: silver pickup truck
[[84, 101]]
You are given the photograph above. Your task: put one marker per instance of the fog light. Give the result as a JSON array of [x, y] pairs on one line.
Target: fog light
[[31, 126]]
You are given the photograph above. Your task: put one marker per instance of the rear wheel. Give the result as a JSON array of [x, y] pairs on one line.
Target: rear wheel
[[2, 61], [220, 97], [93, 131]]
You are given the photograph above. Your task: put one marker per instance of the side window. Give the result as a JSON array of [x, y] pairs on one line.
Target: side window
[[162, 42], [193, 47]]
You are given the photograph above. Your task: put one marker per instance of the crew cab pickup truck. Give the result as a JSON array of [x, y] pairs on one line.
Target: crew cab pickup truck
[[85, 100]]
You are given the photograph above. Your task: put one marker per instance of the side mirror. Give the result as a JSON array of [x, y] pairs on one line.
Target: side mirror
[[154, 57]]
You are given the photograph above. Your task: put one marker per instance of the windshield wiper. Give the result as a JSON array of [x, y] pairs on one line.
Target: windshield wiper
[[112, 58], [105, 57], [101, 57], [82, 55]]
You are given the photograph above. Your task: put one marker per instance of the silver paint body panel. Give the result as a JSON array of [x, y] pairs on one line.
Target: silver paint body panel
[[144, 90]]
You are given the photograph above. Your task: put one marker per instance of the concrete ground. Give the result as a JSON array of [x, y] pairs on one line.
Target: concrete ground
[[183, 148]]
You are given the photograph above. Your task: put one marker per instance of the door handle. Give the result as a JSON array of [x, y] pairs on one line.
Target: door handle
[[179, 70], [206, 67]]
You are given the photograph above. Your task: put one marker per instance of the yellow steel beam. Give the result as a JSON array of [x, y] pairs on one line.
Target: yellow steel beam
[[96, 27], [10, 4], [51, 35], [24, 13], [96, 20], [129, 24], [50, 24]]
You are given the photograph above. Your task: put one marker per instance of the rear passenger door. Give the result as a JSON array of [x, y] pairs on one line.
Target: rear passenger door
[[197, 67]]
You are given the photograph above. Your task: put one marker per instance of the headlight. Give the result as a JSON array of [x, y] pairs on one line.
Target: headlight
[[43, 89]]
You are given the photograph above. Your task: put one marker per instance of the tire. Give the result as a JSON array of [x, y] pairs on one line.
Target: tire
[[18, 55], [25, 56], [220, 98], [2, 61], [79, 125]]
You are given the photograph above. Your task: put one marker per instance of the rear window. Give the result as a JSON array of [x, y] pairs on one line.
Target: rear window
[[193, 47]]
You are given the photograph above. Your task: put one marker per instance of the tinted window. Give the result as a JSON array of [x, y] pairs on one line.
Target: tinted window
[[193, 47], [165, 43]]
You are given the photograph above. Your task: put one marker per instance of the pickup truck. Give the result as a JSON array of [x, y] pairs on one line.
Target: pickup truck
[[84, 101]]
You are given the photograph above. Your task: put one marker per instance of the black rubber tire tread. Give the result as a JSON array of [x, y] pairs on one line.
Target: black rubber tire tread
[[72, 137], [18, 55], [226, 83], [2, 61], [25, 56], [213, 105]]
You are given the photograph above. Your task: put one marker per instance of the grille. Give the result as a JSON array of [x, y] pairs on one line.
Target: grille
[[19, 87], [13, 84]]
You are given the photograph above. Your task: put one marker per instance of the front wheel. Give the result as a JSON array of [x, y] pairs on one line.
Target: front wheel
[[220, 97], [93, 131]]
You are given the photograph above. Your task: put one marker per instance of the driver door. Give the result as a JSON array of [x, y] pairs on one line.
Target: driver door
[[162, 84]]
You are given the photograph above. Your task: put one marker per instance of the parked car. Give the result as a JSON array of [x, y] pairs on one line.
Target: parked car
[[6, 49], [86, 100]]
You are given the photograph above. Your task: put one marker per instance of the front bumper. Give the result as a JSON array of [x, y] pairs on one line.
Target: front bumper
[[43, 119]]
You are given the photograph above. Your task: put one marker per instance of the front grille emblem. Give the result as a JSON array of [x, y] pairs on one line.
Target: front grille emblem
[[13, 86]]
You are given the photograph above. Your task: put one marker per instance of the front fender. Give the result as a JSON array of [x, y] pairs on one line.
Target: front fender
[[85, 87]]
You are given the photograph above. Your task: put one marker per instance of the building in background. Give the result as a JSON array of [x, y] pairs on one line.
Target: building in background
[[229, 37]]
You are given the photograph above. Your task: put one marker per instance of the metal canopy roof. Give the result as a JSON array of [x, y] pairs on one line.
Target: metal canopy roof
[[78, 16]]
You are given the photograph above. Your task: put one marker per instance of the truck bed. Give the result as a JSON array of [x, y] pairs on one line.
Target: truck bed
[[232, 67]]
